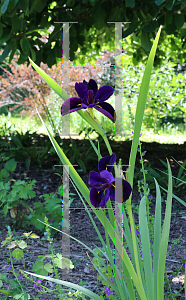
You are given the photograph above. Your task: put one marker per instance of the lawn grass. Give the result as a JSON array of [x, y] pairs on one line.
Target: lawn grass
[[165, 135]]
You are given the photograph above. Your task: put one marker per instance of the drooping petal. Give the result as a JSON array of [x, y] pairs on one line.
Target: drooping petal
[[81, 90], [92, 85], [95, 196], [99, 198], [105, 198], [106, 163], [73, 104], [104, 93], [127, 189], [112, 192], [107, 110]]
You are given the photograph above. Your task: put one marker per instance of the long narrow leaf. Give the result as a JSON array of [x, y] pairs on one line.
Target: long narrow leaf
[[137, 128], [141, 107], [84, 114], [106, 248], [85, 192], [147, 261], [126, 261], [68, 284], [165, 238], [134, 276], [79, 183], [177, 178], [54, 85], [109, 254], [176, 197], [157, 237], [97, 256], [94, 147]]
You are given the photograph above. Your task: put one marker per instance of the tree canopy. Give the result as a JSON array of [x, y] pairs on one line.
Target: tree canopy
[[24, 22]]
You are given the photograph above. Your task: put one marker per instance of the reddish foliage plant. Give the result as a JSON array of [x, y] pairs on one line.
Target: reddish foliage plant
[[23, 86]]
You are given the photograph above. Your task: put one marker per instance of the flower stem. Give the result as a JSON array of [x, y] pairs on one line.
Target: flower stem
[[107, 143]]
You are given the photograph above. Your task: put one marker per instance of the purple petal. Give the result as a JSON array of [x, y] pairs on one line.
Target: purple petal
[[112, 192], [90, 97], [101, 181], [106, 162], [91, 105], [95, 178], [71, 105], [39, 280], [107, 110], [105, 198], [107, 176], [95, 196], [127, 189], [92, 85], [81, 90], [104, 93]]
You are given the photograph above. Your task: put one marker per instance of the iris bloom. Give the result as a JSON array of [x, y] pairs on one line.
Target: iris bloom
[[89, 97], [102, 182]]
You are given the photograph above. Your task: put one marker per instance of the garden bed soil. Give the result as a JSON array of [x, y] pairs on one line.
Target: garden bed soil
[[81, 227]]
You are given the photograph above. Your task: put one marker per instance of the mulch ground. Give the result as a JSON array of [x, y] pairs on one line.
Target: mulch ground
[[81, 228]]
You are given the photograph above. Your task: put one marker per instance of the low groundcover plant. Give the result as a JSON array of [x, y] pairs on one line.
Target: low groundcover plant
[[140, 274]]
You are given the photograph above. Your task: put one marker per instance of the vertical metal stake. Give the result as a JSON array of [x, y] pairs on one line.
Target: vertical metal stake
[[66, 221]]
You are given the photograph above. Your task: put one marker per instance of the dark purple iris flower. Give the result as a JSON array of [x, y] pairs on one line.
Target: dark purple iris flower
[[102, 182], [89, 97]]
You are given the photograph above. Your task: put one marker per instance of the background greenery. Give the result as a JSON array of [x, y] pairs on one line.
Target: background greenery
[[165, 112], [23, 24]]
